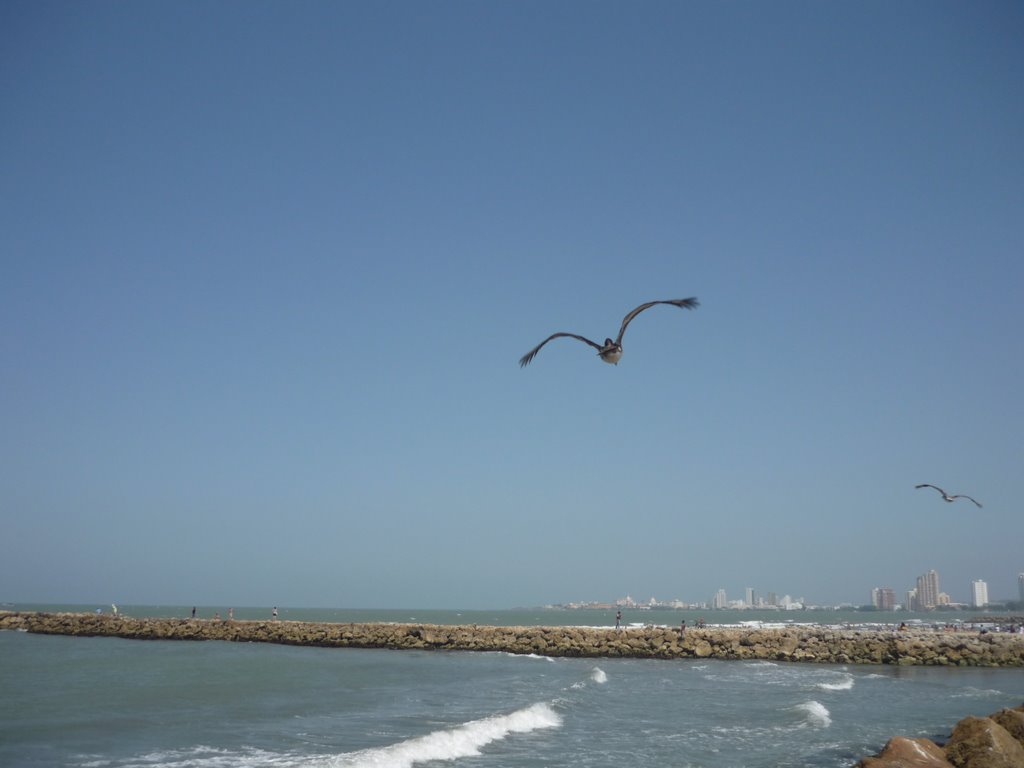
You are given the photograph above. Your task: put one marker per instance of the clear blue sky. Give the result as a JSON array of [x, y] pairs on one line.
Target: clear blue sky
[[266, 271]]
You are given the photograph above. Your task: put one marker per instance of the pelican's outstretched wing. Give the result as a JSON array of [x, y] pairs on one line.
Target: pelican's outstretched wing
[[690, 303], [929, 485], [525, 359], [963, 496]]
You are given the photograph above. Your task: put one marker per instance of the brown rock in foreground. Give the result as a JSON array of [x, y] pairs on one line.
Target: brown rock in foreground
[[977, 742], [902, 752], [827, 645], [1013, 721], [980, 742]]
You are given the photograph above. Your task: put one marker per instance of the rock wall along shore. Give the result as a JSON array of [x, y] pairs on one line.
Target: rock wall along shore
[[826, 645]]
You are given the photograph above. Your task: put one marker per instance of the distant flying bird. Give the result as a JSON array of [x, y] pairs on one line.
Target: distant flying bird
[[610, 351], [946, 496]]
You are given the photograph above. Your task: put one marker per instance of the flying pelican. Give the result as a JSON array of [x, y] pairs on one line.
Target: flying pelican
[[610, 351], [946, 496]]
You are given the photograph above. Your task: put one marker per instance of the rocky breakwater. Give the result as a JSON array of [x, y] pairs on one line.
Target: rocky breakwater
[[807, 644], [996, 741]]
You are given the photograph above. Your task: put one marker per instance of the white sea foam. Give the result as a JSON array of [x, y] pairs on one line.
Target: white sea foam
[[207, 757], [816, 713], [843, 685], [598, 676], [465, 740], [527, 656], [975, 693], [543, 658]]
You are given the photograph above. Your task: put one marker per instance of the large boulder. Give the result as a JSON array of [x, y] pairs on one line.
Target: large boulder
[[902, 752], [980, 742], [702, 649], [1012, 721]]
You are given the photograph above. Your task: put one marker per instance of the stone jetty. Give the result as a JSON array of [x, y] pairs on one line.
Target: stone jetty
[[817, 644]]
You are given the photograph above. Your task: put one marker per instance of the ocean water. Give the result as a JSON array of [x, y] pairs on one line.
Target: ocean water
[[109, 702]]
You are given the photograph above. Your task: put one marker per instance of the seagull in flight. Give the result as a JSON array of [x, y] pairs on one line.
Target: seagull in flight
[[946, 496], [610, 351]]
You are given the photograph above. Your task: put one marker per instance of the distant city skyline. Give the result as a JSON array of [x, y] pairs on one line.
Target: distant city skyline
[[924, 596]]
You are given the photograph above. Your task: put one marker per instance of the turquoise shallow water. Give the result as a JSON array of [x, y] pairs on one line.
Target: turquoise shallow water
[[108, 702]]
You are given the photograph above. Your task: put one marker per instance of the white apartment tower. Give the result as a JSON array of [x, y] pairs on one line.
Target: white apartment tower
[[720, 601], [1020, 587], [928, 590], [883, 598], [979, 594], [750, 597]]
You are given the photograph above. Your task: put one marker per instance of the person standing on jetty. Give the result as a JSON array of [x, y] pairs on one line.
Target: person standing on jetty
[[193, 611], [618, 619], [274, 613]]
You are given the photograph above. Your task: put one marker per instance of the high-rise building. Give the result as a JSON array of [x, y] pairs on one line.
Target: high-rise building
[[720, 600], [979, 594], [883, 598], [1020, 587], [912, 600], [928, 590], [750, 597], [773, 599]]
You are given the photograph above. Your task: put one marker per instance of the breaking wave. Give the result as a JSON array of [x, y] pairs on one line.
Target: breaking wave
[[843, 685], [816, 713], [465, 740], [536, 656]]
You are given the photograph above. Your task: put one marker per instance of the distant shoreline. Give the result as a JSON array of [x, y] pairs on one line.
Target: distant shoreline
[[815, 644]]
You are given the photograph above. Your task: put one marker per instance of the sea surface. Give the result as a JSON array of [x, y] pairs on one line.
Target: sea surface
[[110, 702]]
